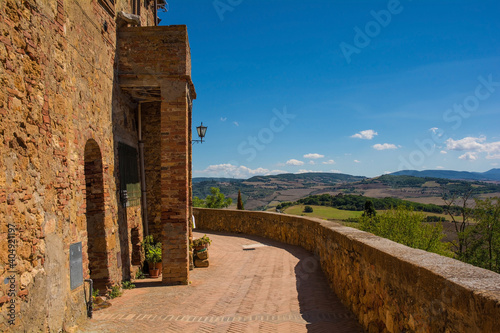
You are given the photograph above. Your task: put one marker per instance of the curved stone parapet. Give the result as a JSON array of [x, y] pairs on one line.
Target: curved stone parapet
[[389, 286]]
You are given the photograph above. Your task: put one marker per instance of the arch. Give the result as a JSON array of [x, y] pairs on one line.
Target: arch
[[96, 232]]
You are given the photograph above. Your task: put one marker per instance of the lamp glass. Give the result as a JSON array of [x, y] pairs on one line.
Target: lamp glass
[[201, 130]]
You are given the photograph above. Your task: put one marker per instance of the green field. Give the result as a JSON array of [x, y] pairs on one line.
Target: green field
[[323, 212]]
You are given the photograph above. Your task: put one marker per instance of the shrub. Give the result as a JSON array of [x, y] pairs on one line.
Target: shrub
[[154, 254], [407, 227], [308, 209], [128, 285], [202, 241], [115, 292]]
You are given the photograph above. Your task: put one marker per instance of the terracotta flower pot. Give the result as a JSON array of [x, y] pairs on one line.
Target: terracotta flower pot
[[154, 273], [158, 266]]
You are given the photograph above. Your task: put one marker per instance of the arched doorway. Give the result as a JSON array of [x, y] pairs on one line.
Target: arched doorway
[[96, 231]]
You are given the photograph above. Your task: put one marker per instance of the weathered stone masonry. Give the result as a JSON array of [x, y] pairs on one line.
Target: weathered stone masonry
[[65, 111]]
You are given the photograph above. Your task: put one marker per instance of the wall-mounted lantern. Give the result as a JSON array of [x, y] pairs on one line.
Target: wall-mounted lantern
[[201, 133]]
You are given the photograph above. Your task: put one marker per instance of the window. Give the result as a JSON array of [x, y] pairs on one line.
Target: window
[[136, 7], [109, 5], [130, 186]]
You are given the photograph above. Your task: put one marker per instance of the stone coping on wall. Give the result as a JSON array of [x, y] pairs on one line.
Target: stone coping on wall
[[460, 273], [389, 286]]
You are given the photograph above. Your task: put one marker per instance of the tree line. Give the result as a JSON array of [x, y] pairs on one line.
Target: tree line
[[357, 203], [216, 199]]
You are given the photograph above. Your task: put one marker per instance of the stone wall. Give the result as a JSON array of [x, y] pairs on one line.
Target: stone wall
[[389, 286], [61, 113]]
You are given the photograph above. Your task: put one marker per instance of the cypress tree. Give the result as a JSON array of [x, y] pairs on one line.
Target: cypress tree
[[240, 202]]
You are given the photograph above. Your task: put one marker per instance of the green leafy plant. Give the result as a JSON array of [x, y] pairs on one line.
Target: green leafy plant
[[147, 242], [202, 241], [152, 249], [115, 291], [128, 285], [154, 254], [139, 274], [95, 293], [215, 200], [405, 226]]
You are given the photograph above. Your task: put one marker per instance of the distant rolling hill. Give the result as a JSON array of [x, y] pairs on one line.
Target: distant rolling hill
[[211, 179], [492, 175], [260, 191], [263, 192]]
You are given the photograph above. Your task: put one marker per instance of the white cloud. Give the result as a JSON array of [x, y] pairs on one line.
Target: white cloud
[[313, 156], [493, 157], [329, 162], [294, 162], [477, 145], [433, 129], [384, 146], [236, 123], [366, 135], [468, 156], [316, 171], [223, 118], [229, 170], [312, 162], [443, 152], [467, 143], [356, 161], [439, 167]]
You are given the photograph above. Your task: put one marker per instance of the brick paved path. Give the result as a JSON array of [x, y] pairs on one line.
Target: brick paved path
[[252, 285]]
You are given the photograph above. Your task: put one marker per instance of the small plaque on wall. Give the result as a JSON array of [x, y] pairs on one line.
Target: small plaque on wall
[[75, 265]]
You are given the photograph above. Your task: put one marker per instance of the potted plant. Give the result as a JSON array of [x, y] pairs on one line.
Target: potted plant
[[153, 257], [201, 243], [152, 252]]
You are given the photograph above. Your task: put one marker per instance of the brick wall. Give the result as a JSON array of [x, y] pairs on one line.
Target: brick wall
[[154, 64], [140, 51], [151, 127], [175, 180], [390, 287]]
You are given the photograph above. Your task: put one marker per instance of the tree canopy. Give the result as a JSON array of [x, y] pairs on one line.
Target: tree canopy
[[407, 227], [214, 200]]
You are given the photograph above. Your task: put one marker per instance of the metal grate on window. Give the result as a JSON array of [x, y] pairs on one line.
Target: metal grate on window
[[130, 187], [109, 5]]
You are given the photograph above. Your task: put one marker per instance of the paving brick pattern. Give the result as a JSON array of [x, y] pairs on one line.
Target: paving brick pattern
[[270, 288]]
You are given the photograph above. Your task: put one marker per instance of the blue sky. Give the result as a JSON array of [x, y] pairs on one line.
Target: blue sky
[[358, 87]]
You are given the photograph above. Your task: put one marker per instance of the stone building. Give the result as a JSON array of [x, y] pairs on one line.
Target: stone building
[[95, 139]]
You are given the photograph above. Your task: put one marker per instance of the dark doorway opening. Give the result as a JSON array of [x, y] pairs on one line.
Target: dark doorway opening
[[96, 231]]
